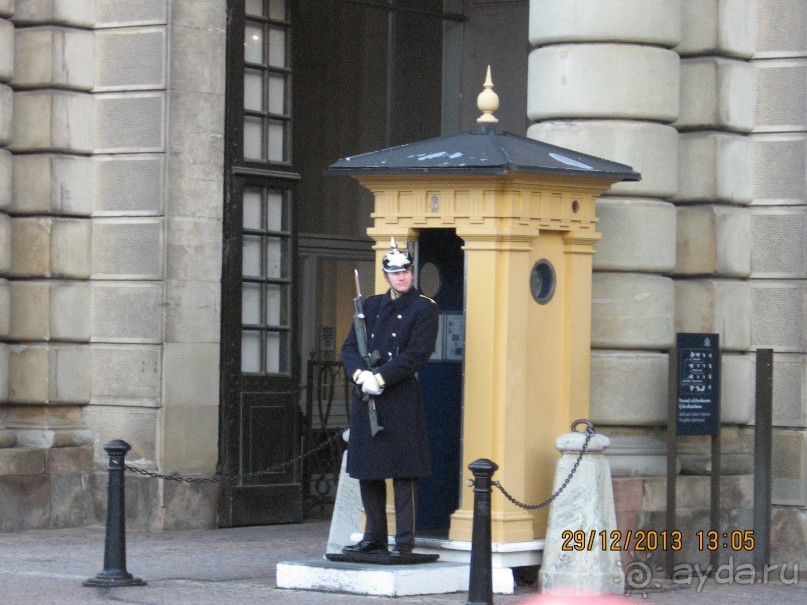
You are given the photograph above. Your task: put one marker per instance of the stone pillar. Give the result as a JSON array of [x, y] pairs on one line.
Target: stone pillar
[[716, 184], [778, 217], [604, 80], [156, 248], [189, 423], [46, 60], [128, 233], [51, 201], [193, 237], [7, 437], [586, 509]]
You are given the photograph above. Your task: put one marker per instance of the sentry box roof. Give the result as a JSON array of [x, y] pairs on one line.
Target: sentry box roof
[[480, 152]]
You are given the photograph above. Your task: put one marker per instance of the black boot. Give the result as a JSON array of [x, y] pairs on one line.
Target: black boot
[[402, 550], [367, 548]]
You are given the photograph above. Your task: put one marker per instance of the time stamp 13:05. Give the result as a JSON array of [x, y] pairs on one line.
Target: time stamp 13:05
[[649, 540]]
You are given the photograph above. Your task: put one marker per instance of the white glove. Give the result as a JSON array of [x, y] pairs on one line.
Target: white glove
[[362, 377], [369, 384]]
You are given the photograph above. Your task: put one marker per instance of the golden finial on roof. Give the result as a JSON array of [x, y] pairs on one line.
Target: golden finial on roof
[[488, 102]]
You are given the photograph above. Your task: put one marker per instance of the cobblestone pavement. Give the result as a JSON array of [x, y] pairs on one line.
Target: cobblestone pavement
[[235, 566]]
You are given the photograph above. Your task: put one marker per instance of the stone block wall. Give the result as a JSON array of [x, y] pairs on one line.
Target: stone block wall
[[109, 268], [641, 502], [778, 272], [706, 99]]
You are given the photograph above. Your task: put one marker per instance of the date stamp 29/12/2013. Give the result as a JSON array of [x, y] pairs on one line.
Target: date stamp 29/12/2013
[[652, 540]]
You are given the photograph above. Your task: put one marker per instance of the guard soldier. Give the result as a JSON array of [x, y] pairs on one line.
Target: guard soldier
[[401, 326]]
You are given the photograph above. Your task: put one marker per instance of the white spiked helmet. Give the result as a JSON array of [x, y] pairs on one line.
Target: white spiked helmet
[[395, 261]]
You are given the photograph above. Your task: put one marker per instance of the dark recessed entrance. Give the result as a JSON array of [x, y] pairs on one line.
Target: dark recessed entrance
[[441, 259]]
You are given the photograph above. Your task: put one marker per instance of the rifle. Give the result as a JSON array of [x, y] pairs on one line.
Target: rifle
[[369, 358]]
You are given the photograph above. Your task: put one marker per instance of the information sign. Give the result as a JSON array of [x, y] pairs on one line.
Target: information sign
[[698, 388]]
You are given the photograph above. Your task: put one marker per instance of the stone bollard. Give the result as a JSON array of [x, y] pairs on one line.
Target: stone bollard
[[346, 519], [114, 573], [582, 562]]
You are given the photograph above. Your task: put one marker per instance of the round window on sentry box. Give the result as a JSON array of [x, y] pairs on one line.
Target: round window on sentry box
[[542, 281]]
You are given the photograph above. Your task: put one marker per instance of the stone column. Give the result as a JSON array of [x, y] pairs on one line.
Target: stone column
[[50, 230], [715, 187], [128, 233], [778, 216], [604, 79], [7, 437], [189, 422], [156, 247]]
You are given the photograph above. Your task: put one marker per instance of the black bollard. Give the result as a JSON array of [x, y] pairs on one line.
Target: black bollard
[[114, 573], [480, 585]]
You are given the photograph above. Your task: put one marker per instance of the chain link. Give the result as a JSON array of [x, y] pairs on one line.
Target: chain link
[[548, 501], [233, 478], [337, 435]]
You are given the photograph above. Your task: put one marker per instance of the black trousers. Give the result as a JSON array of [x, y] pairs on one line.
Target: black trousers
[[374, 499]]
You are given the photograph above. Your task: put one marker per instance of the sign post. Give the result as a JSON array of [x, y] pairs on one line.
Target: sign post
[[694, 409], [763, 428]]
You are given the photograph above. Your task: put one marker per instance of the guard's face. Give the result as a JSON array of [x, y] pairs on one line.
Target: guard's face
[[400, 281]]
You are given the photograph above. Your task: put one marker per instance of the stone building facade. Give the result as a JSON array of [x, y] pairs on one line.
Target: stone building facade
[[115, 179], [712, 240], [112, 269]]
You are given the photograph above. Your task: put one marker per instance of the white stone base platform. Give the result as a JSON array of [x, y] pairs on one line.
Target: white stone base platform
[[449, 574], [376, 580], [504, 555]]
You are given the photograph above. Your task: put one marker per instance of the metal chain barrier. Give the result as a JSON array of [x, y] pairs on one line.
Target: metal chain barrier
[[337, 435], [233, 478], [589, 434]]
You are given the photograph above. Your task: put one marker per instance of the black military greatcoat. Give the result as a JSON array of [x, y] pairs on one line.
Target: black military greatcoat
[[403, 331]]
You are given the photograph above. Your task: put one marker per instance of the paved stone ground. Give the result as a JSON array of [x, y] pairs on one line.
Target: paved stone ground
[[235, 566]]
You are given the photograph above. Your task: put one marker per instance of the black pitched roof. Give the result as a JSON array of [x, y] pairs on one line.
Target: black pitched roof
[[480, 152]]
